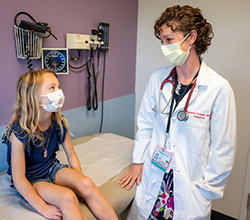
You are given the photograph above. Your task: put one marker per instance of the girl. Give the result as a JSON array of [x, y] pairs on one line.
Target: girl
[[33, 135], [188, 116]]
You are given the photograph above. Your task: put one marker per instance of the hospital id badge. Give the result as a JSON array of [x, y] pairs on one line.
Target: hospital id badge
[[162, 159]]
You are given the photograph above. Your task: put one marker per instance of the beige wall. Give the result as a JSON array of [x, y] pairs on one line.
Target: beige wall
[[229, 56]]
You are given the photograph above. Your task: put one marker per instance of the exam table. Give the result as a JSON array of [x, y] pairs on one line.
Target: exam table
[[103, 157]]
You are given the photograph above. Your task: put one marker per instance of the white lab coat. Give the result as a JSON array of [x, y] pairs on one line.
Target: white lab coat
[[204, 145]]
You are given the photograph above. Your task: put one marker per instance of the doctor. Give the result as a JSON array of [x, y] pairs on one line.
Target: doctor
[[186, 140]]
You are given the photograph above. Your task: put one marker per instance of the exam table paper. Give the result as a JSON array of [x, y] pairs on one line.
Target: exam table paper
[[108, 156]]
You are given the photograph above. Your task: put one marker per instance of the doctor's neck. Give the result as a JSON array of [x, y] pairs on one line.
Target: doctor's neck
[[188, 70]]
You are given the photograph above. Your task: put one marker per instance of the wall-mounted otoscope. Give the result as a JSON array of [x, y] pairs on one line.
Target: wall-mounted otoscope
[[93, 32], [97, 42]]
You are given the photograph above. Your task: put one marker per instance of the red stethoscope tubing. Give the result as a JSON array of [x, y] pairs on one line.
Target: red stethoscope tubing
[[168, 80], [172, 82], [189, 95]]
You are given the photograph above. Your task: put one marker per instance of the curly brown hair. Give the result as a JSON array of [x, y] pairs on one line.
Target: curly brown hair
[[185, 19]]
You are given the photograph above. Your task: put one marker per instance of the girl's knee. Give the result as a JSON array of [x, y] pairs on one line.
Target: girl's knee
[[68, 197], [87, 186]]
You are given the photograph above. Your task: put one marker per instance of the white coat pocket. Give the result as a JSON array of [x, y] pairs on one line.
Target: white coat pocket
[[199, 206]]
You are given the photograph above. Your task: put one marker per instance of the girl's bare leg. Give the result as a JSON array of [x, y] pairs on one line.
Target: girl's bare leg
[[62, 197], [84, 186]]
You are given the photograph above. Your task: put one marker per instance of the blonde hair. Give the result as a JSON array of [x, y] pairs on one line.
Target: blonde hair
[[26, 106]]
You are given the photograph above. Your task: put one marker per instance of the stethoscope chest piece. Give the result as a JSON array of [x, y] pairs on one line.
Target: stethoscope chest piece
[[182, 115]]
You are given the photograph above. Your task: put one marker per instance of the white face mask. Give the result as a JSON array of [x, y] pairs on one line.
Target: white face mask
[[56, 100], [174, 54]]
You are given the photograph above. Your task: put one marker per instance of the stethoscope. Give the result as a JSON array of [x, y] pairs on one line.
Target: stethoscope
[[183, 114]]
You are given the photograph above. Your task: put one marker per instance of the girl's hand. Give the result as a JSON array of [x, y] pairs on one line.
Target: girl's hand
[[133, 174], [51, 212]]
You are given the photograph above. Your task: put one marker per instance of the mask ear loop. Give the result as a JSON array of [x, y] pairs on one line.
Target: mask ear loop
[[43, 96], [190, 46], [185, 38]]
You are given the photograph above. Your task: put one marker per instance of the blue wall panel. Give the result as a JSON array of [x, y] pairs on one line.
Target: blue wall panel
[[118, 118]]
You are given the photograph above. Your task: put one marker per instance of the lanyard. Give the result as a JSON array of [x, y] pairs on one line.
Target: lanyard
[[182, 115]]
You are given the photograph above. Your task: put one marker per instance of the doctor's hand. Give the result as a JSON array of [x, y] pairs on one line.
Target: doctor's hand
[[133, 174]]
